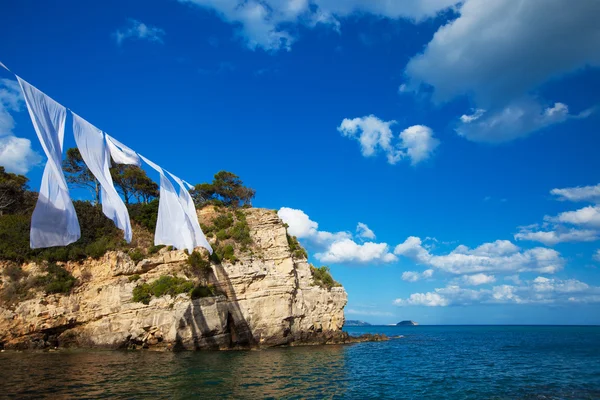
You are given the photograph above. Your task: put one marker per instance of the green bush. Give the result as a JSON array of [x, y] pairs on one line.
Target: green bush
[[241, 233], [98, 235], [155, 249], [134, 278], [322, 277], [203, 291], [295, 247], [223, 234], [199, 264], [136, 255], [57, 279], [223, 221], [144, 214], [165, 285]]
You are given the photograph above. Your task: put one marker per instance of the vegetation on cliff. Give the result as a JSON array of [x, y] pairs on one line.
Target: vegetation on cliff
[[322, 277], [223, 221]]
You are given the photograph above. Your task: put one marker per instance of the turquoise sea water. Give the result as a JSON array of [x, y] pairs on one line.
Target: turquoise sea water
[[429, 362]]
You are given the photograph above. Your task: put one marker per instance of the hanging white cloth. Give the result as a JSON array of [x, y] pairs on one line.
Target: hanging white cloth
[[189, 186], [54, 221], [187, 203], [173, 227], [94, 151], [120, 153]]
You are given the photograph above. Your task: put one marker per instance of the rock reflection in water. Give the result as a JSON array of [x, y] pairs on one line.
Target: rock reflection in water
[[283, 372]]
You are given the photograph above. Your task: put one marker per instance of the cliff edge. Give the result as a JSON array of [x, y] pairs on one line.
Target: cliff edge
[[263, 296]]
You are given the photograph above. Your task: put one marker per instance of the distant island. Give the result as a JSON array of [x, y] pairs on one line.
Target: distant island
[[353, 322], [407, 323]]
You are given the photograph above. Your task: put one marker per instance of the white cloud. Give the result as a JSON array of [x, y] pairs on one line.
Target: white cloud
[[514, 279], [334, 247], [347, 250], [498, 51], [586, 216], [597, 255], [478, 279], [541, 290], [419, 143], [139, 31], [375, 135], [16, 154], [363, 231], [559, 234], [580, 193], [500, 256], [473, 117], [412, 276], [272, 24], [518, 119]]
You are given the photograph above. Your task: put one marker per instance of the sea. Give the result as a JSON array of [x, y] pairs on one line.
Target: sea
[[421, 362]]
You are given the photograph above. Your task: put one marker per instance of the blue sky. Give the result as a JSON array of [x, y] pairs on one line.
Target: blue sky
[[442, 127]]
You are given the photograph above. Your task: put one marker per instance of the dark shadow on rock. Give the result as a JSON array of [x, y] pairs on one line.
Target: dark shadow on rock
[[203, 338]]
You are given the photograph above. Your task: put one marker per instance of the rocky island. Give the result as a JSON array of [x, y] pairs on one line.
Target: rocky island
[[352, 322], [256, 290], [407, 323]]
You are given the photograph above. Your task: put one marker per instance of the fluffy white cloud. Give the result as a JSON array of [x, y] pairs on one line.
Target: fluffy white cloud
[[375, 135], [139, 31], [586, 216], [347, 250], [580, 193], [412, 276], [363, 231], [334, 247], [558, 234], [16, 154], [541, 290], [478, 279], [597, 255], [516, 120], [418, 142], [500, 256], [498, 50], [271, 24]]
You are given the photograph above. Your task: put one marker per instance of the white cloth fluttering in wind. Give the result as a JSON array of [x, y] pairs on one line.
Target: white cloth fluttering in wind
[[95, 154], [173, 226], [54, 222], [187, 203], [120, 153]]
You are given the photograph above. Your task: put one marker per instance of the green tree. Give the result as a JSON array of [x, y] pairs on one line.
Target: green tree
[[79, 175], [133, 183], [14, 196], [226, 188]]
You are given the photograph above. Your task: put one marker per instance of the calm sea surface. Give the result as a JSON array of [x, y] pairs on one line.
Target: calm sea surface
[[429, 362]]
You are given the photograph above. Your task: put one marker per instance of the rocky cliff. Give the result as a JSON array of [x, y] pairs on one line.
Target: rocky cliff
[[266, 297]]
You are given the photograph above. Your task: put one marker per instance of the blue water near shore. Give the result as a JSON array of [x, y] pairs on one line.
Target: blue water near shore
[[428, 362]]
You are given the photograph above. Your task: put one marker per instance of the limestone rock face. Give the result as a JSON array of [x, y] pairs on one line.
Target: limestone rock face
[[268, 299]]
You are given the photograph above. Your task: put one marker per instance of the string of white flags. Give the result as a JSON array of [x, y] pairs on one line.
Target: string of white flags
[[54, 221]]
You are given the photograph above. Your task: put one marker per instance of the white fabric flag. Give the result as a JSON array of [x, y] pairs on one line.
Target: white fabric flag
[[190, 210], [120, 153], [90, 141], [173, 227], [54, 222], [188, 185]]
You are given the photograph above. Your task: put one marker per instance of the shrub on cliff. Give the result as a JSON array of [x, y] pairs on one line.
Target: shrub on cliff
[[322, 277], [56, 280], [164, 285], [295, 247], [199, 264], [98, 235], [144, 214]]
